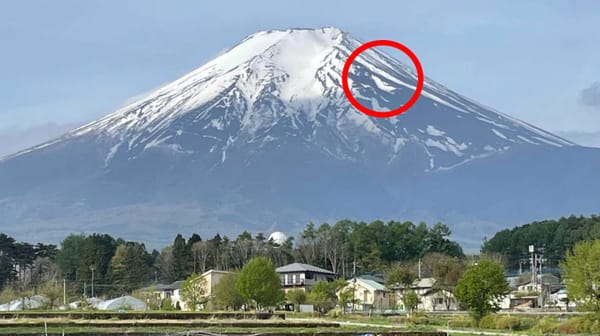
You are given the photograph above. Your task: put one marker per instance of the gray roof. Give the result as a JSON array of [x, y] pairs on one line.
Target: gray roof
[[372, 277], [173, 286], [298, 268]]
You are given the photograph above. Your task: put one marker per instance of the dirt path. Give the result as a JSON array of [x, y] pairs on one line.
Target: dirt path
[[393, 326]]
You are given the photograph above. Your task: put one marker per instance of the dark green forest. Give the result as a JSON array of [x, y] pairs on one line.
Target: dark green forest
[[118, 266], [551, 237]]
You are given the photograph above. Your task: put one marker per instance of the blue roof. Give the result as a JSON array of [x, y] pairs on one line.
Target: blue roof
[[371, 283]]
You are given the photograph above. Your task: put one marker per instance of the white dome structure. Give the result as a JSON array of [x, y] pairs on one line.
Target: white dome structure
[[278, 238]]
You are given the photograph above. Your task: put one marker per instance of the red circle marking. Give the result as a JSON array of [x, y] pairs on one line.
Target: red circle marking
[[386, 43]]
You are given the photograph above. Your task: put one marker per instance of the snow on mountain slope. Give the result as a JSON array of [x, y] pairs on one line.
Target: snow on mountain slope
[[262, 135], [286, 83]]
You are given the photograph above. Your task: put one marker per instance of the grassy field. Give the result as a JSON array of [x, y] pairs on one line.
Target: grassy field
[[91, 330], [301, 324]]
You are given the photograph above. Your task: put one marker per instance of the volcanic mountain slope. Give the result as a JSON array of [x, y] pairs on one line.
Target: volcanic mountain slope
[[262, 136]]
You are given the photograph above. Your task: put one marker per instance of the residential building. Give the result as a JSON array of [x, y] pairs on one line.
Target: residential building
[[212, 279], [437, 300], [302, 276], [370, 294], [172, 291], [430, 297], [526, 294]]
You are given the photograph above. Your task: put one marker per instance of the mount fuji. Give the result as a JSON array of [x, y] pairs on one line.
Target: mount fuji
[[262, 137]]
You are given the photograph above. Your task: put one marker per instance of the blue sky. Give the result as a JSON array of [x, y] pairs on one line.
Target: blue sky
[[65, 62]]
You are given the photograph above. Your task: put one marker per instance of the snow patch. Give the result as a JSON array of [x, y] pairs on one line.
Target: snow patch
[[431, 130], [499, 134]]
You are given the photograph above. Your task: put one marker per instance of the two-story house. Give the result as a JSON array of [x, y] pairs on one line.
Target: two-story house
[[172, 291], [369, 294], [302, 276]]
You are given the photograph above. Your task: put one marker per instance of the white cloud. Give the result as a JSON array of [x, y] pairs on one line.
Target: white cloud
[[12, 140], [589, 139], [590, 96]]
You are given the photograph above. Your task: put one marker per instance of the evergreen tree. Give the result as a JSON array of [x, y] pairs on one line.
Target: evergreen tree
[[98, 250], [128, 267], [7, 270], [70, 256], [181, 258]]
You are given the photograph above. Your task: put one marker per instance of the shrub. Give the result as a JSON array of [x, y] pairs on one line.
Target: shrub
[[527, 323], [334, 313], [398, 319], [436, 320], [567, 327], [460, 323], [488, 322], [508, 323], [419, 320], [582, 324], [595, 328], [167, 304], [546, 325]]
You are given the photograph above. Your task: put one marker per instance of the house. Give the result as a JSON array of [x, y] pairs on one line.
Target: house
[[560, 299], [437, 300], [546, 281], [526, 294], [172, 291], [212, 279], [302, 276], [369, 294], [430, 298]]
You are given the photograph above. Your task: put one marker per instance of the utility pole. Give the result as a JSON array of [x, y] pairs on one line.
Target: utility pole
[[93, 268], [64, 291], [523, 261], [419, 272], [532, 263]]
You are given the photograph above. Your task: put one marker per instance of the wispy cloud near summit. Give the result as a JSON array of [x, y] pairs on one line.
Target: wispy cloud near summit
[[12, 141]]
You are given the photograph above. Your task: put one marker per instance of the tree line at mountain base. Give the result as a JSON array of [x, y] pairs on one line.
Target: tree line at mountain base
[[347, 247], [99, 264], [555, 238]]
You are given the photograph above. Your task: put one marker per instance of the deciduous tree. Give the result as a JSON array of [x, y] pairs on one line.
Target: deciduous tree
[[194, 291], [296, 297], [401, 275], [481, 288], [323, 294], [411, 301], [52, 291], [226, 295], [446, 271], [259, 283], [582, 275]]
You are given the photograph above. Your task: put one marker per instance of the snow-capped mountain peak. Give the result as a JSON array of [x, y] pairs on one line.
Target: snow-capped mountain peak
[[264, 134], [286, 84]]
